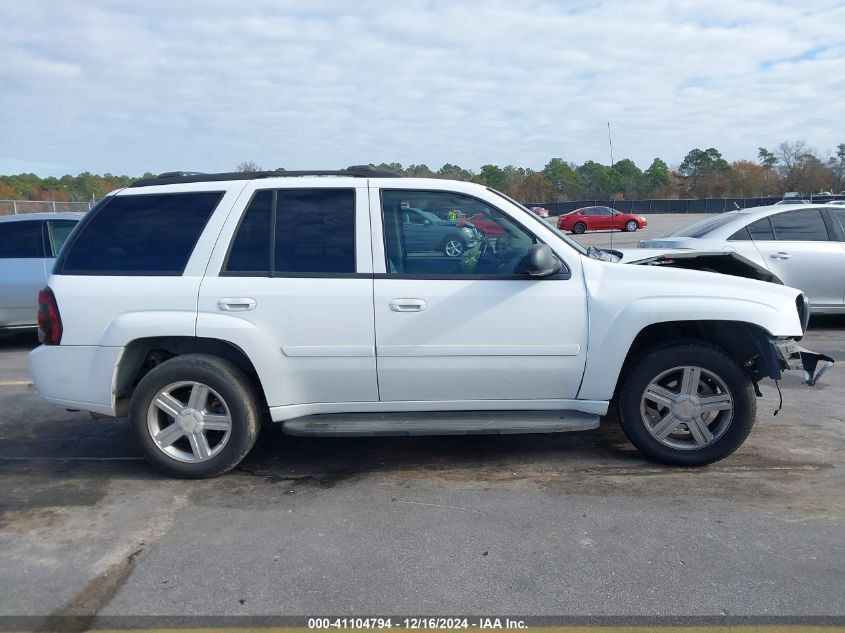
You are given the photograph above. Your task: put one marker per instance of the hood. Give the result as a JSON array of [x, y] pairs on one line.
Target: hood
[[667, 283], [724, 262]]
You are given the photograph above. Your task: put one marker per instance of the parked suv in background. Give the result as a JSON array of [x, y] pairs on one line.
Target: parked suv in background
[[28, 247], [200, 304]]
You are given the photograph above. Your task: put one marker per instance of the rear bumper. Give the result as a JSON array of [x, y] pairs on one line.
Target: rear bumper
[[792, 356], [76, 376]]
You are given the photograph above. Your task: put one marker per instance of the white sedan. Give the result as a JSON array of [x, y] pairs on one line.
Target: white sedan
[[804, 247]]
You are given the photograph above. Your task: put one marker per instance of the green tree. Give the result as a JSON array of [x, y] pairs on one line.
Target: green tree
[[563, 179], [703, 169], [492, 176], [454, 172], [628, 177], [656, 176], [599, 181], [767, 161]]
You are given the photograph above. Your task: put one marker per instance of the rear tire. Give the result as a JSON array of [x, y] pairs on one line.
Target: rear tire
[[195, 416], [694, 396], [580, 228]]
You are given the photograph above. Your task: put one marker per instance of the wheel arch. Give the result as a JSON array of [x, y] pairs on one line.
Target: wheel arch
[[748, 344], [143, 354]]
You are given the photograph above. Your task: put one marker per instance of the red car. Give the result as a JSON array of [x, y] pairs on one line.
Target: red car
[[600, 219], [487, 226]]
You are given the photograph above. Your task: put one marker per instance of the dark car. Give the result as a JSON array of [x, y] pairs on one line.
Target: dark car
[[424, 231]]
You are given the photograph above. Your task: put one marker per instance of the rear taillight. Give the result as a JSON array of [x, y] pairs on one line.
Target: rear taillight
[[49, 320]]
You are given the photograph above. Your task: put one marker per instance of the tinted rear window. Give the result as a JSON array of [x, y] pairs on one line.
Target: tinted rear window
[[59, 231], [705, 226], [761, 230], [839, 214], [315, 231], [21, 239], [251, 247], [151, 234]]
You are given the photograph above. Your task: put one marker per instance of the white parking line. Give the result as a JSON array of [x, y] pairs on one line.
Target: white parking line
[[14, 383]]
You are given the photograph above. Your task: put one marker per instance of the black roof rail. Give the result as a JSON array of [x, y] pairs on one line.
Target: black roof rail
[[177, 177]]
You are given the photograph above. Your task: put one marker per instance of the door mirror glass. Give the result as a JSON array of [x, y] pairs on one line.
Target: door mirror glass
[[540, 261]]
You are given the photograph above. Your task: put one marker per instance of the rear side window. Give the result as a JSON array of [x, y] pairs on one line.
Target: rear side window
[[839, 214], [806, 225], [148, 234], [295, 232], [250, 252], [59, 230], [315, 231], [21, 239], [761, 230], [742, 235]]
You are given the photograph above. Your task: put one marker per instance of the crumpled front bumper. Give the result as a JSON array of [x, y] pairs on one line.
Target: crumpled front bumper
[[792, 356]]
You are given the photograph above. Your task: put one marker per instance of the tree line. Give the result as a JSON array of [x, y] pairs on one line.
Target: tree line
[[791, 166]]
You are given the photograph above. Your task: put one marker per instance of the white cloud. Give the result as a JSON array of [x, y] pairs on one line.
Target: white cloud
[[129, 87]]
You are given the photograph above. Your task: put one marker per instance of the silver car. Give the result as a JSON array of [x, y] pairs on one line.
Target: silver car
[[803, 246], [29, 244]]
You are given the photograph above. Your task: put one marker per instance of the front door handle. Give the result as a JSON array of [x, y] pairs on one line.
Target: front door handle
[[780, 255], [236, 304], [408, 305]]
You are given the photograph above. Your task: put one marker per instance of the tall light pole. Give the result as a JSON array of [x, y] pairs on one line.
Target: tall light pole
[[610, 142]]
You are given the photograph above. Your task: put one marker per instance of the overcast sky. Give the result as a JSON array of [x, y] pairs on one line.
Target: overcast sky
[[136, 86]]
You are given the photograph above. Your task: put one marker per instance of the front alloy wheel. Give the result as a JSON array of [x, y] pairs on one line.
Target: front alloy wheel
[[687, 405], [686, 408], [631, 226]]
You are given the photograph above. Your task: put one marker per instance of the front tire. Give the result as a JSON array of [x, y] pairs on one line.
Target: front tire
[[631, 226], [453, 247], [687, 405], [195, 416], [580, 228]]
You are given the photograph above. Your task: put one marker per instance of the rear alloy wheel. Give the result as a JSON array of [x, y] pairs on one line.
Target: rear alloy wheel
[[453, 247], [687, 405], [579, 228], [631, 226], [195, 416]]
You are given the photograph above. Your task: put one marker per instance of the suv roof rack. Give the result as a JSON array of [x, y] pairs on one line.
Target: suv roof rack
[[177, 177]]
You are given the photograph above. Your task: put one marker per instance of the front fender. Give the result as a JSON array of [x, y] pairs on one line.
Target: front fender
[[624, 300]]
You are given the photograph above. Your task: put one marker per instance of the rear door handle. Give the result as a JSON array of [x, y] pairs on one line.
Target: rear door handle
[[236, 304], [780, 255], [408, 305]]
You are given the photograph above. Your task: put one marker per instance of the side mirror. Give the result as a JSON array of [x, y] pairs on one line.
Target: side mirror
[[540, 261]]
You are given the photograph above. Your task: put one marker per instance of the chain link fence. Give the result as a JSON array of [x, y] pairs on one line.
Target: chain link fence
[[16, 207]]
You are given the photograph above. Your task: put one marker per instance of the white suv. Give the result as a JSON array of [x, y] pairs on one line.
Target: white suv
[[200, 304]]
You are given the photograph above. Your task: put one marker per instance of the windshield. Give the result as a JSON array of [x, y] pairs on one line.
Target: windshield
[[551, 226], [703, 227]]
